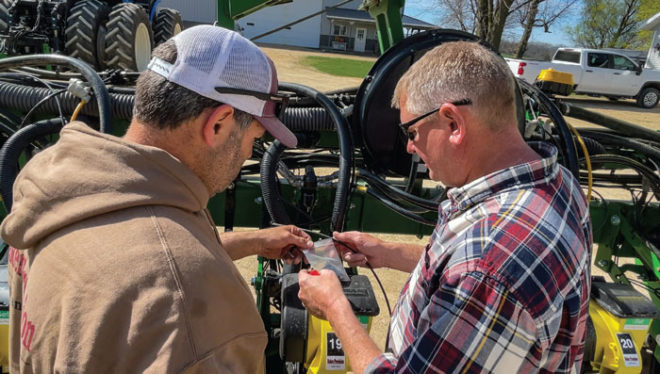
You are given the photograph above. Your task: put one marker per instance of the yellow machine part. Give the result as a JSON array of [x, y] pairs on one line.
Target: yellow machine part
[[324, 353], [551, 75], [618, 341], [4, 341]]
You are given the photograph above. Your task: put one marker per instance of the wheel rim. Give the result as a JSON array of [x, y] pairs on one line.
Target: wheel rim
[[650, 99], [142, 47], [177, 29]]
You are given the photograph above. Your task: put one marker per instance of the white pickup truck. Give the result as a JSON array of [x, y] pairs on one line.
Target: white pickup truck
[[597, 72]]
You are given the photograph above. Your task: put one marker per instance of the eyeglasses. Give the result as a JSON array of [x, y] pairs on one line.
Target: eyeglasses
[[412, 134], [278, 100]]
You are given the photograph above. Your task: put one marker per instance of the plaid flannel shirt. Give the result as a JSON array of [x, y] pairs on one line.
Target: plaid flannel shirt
[[503, 285]]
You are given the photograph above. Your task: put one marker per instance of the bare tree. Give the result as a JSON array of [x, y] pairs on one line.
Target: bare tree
[[486, 18], [540, 13]]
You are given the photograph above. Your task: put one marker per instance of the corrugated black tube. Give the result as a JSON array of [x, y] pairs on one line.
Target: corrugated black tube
[[23, 98], [269, 183], [307, 119], [12, 149]]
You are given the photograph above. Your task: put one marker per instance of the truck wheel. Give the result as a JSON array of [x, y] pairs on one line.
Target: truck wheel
[[167, 24], [129, 38], [648, 98], [5, 17], [82, 31]]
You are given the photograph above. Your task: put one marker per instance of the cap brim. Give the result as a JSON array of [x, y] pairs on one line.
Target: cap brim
[[277, 129]]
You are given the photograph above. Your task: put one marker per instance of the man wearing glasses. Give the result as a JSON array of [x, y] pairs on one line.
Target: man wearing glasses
[[116, 265], [503, 285]]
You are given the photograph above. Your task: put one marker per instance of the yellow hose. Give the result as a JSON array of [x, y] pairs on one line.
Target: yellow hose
[[590, 179], [78, 109]]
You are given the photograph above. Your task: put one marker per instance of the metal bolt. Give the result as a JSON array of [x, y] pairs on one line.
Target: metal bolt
[[615, 220]]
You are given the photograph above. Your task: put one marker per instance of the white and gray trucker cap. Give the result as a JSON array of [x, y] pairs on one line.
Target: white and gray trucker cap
[[224, 66]]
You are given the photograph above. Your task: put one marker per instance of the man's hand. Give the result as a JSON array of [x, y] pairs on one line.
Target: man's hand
[[369, 248], [379, 253], [321, 293], [283, 242]]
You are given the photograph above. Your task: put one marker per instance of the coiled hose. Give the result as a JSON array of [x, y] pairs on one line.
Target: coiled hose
[[269, 186], [13, 148], [97, 84], [270, 162]]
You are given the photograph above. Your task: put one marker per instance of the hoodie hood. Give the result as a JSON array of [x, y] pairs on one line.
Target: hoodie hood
[[86, 174]]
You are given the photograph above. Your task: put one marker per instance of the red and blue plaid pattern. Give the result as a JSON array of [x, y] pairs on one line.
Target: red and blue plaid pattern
[[503, 286]]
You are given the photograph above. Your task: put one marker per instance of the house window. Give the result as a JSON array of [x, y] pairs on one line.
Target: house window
[[339, 29]]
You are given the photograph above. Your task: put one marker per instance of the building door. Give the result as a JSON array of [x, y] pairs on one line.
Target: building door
[[360, 39]]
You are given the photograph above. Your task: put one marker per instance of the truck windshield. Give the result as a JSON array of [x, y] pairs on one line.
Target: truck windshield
[[568, 56]]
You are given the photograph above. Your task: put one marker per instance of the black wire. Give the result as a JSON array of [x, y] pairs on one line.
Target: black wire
[[41, 102], [326, 236], [52, 91]]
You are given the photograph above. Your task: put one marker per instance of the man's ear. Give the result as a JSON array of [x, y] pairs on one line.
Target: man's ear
[[217, 125], [456, 121]]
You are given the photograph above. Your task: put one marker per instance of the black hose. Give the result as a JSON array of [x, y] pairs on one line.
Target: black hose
[[14, 147], [418, 201], [388, 203], [346, 150], [642, 169], [269, 184], [593, 146], [623, 142], [307, 119], [24, 98], [618, 125], [98, 86], [569, 150]]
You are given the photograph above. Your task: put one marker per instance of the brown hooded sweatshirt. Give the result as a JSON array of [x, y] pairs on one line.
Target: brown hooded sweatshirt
[[118, 268]]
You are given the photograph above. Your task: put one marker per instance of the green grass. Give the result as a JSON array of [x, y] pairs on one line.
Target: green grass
[[342, 67]]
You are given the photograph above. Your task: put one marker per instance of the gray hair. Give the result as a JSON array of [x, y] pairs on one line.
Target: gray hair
[[456, 71], [162, 104]]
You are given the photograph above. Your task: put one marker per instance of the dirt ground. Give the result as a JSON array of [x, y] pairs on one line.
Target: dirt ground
[[291, 70]]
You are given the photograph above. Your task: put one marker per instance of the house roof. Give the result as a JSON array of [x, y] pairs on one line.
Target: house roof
[[363, 16], [652, 22]]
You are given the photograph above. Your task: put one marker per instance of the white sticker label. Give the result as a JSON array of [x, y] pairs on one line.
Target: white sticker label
[[637, 324], [335, 358], [630, 357]]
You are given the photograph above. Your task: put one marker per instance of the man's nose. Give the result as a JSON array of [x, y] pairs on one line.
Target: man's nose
[[410, 147]]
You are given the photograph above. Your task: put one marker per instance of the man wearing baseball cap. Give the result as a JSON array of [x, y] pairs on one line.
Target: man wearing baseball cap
[[116, 265]]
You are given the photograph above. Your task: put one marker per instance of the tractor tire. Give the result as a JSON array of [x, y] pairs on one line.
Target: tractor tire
[[648, 98], [167, 24], [5, 17], [129, 40], [83, 28]]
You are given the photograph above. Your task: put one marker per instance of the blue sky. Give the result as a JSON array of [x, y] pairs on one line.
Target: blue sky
[[427, 10]]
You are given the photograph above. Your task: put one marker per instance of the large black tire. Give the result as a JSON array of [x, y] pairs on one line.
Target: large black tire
[[5, 18], [83, 26], [648, 98], [129, 40], [167, 24]]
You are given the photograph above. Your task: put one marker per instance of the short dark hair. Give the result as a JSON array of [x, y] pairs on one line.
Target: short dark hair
[[162, 104]]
